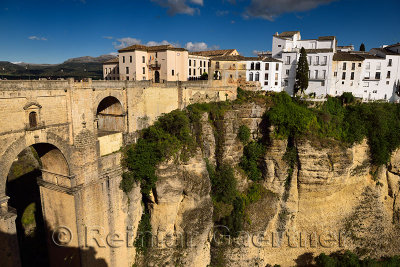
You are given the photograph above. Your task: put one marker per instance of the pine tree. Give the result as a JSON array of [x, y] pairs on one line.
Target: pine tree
[[362, 47], [302, 73]]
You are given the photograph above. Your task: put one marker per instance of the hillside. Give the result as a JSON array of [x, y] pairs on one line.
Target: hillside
[[78, 68]]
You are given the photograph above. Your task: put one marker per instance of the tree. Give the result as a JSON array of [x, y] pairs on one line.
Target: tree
[[302, 73], [362, 47]]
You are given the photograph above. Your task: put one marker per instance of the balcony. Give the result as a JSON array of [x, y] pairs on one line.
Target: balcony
[[155, 66]]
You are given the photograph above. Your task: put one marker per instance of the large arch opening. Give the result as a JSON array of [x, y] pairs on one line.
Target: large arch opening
[[39, 162], [110, 116]]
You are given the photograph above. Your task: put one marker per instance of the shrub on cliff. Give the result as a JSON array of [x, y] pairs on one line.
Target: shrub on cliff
[[169, 135], [244, 134], [252, 158]]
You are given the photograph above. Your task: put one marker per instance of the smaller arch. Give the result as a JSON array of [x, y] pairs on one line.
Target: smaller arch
[[257, 78], [251, 77], [110, 115], [252, 66], [258, 66]]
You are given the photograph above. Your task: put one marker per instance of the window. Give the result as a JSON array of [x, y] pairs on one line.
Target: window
[[344, 65], [317, 60], [106, 70], [359, 64], [190, 62], [287, 72], [276, 76], [265, 83], [127, 70], [377, 75], [257, 77], [367, 75], [190, 71], [286, 83], [385, 96], [266, 66], [375, 91], [325, 60], [173, 72], [127, 78], [309, 60], [288, 60], [390, 62], [324, 74], [33, 119], [279, 45], [143, 59], [316, 74], [388, 75], [252, 66], [352, 76], [194, 63], [323, 83], [156, 54], [201, 64], [344, 76], [194, 72], [387, 82], [266, 76], [130, 59], [335, 74], [277, 66], [123, 59], [201, 72], [276, 83], [353, 66], [258, 66], [251, 76], [144, 70]]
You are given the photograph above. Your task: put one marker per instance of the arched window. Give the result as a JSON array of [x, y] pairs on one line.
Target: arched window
[[252, 66], [258, 66], [33, 119], [257, 77], [251, 77]]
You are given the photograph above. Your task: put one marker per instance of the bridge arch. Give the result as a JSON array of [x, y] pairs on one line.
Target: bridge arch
[[110, 115]]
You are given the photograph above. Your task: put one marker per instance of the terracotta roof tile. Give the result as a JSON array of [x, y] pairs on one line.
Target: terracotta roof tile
[[151, 48], [112, 61], [343, 56], [213, 53]]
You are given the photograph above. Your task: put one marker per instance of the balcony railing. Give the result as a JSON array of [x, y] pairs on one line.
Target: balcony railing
[[155, 66]]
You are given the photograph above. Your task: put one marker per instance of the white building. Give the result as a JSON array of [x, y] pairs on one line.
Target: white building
[[286, 47], [267, 71]]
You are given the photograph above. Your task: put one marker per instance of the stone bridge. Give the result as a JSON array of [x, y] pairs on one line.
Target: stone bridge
[[77, 130]]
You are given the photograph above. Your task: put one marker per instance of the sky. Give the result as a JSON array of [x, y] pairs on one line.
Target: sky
[[52, 31]]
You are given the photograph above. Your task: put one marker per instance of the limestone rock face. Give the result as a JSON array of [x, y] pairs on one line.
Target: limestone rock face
[[333, 199], [181, 216]]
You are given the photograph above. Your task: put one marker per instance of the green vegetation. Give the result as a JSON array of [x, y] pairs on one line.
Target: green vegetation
[[252, 158], [348, 259], [144, 236], [168, 136], [302, 73], [244, 134], [349, 124], [28, 217], [347, 98]]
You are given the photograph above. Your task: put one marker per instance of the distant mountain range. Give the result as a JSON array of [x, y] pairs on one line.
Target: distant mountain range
[[78, 68]]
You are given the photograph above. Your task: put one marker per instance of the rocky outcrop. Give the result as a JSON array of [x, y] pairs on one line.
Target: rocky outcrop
[[332, 199]]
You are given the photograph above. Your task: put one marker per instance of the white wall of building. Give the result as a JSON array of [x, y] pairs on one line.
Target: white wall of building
[[267, 72]]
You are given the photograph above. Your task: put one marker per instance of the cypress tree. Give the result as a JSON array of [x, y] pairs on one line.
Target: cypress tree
[[302, 73], [362, 47]]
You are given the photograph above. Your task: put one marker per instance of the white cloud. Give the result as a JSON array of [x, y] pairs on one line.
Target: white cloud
[[108, 37], [113, 53], [124, 42], [179, 6], [37, 38], [200, 46], [270, 9], [154, 43]]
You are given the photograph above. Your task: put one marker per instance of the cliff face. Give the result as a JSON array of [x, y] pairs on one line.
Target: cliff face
[[332, 200]]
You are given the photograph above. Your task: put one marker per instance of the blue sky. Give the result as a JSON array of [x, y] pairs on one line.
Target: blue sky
[[51, 31]]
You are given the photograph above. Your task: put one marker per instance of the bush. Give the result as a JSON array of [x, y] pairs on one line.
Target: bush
[[244, 134], [169, 135], [347, 98], [250, 162]]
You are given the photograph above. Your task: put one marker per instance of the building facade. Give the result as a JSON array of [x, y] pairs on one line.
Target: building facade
[[267, 71]]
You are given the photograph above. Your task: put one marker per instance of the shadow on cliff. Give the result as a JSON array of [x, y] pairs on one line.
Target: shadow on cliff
[[33, 245], [10, 254], [305, 260]]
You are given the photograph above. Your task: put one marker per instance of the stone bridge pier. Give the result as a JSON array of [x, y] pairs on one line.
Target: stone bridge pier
[[77, 130]]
